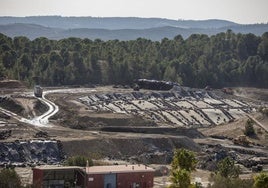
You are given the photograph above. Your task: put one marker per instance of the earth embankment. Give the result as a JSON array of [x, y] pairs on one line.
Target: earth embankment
[[150, 149]]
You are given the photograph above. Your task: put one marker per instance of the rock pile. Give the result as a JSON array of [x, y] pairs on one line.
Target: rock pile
[[41, 134], [31, 153], [247, 158], [5, 134]]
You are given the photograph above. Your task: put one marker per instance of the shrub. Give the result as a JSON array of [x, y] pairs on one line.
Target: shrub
[[249, 129], [264, 110], [261, 180], [184, 159], [79, 161], [227, 168], [9, 178], [183, 163], [222, 182]]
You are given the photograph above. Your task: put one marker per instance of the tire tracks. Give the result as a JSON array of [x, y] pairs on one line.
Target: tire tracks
[[43, 120]]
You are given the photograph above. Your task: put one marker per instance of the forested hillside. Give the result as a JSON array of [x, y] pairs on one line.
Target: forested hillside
[[225, 59], [33, 31]]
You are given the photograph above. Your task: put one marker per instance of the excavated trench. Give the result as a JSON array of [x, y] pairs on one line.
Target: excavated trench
[[193, 108]]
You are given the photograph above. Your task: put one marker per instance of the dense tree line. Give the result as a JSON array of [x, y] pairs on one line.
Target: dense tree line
[[225, 59]]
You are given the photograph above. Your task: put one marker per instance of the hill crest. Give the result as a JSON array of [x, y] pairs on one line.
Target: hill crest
[[121, 28]]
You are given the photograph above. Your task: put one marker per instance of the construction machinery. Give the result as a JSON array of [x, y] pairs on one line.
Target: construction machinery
[[228, 91], [242, 140]]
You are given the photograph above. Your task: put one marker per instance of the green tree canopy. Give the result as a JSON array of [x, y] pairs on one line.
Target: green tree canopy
[[227, 168], [79, 161], [181, 178], [249, 129], [184, 159], [183, 164], [261, 180], [9, 178], [224, 59]]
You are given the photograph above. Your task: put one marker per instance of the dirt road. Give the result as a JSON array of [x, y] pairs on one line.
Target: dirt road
[[43, 120], [258, 123]]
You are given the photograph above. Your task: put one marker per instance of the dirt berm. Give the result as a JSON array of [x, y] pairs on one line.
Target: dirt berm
[[10, 84], [179, 131], [151, 149]]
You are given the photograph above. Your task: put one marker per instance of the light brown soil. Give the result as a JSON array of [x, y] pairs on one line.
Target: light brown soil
[[11, 84], [73, 113], [253, 94], [235, 129]]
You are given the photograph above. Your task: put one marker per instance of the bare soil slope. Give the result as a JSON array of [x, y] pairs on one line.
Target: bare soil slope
[[127, 137]]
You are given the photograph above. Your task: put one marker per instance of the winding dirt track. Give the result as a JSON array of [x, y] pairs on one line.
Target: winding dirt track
[[39, 120], [43, 120]]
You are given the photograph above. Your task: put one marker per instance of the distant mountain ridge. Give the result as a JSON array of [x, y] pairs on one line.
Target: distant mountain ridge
[[56, 27], [113, 23]]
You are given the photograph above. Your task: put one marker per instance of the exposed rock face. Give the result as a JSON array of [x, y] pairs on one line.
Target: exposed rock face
[[32, 152]]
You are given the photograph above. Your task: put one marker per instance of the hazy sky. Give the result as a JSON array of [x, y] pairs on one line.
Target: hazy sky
[[240, 11]]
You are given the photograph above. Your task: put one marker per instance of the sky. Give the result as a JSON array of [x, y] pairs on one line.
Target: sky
[[239, 11]]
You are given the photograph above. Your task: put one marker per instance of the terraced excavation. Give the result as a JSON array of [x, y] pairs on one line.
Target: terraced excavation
[[120, 124], [174, 108]]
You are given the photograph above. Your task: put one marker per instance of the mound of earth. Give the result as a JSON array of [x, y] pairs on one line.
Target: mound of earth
[[154, 149], [259, 94], [89, 122], [10, 104], [11, 84], [234, 129], [180, 131], [24, 106]]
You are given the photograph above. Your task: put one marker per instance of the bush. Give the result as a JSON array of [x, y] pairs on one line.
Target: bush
[[227, 168], [222, 182], [9, 178], [184, 159], [227, 176], [249, 129], [264, 110], [181, 178], [183, 163], [261, 180], [79, 161]]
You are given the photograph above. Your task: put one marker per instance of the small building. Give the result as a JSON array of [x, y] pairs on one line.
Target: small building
[[58, 176], [120, 176], [116, 176]]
